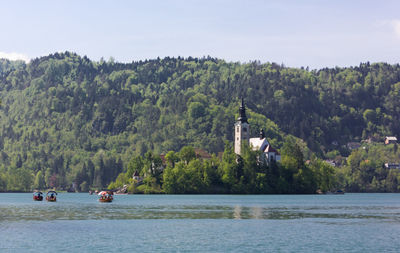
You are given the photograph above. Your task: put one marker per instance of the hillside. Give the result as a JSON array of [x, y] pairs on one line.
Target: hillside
[[73, 119]]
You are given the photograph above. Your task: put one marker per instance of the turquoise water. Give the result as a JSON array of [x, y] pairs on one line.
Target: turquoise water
[[201, 223]]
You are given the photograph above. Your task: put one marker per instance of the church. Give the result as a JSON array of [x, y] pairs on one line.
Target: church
[[242, 135]]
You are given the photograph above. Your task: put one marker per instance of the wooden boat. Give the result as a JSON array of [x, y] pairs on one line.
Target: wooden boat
[[38, 196], [106, 196], [335, 192], [51, 196]]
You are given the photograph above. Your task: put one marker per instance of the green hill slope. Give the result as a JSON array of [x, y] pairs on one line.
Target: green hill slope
[[73, 119]]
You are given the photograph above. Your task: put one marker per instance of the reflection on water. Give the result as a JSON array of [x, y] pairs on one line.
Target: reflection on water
[[130, 207], [237, 212], [258, 213]]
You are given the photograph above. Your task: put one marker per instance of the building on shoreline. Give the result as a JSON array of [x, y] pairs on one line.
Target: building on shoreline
[[242, 136]]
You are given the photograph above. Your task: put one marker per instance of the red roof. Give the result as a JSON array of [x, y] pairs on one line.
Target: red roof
[[164, 161], [200, 153], [270, 149]]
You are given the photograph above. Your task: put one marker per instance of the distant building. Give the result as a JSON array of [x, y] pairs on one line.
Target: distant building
[[369, 140], [202, 154], [392, 166], [261, 143], [353, 145], [331, 162], [272, 154], [137, 177], [242, 129], [390, 140], [242, 132]]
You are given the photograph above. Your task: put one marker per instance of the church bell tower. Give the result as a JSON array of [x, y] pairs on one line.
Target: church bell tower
[[242, 129]]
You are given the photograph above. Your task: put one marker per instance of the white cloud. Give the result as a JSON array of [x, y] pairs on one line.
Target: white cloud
[[14, 56], [396, 27], [393, 24]]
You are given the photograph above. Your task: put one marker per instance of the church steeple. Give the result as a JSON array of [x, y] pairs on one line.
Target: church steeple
[[262, 134], [242, 113], [242, 129]]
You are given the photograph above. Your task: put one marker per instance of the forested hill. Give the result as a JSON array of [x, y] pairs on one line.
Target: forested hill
[[64, 113]]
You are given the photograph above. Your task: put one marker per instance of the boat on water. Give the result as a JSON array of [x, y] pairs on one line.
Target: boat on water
[[106, 196], [51, 196], [335, 192], [38, 196]]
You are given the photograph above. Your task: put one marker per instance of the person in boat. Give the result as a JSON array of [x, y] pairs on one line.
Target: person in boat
[[51, 195], [37, 195]]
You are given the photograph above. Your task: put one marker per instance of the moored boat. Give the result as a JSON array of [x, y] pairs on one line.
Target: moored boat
[[38, 196], [106, 196], [335, 192], [51, 196]]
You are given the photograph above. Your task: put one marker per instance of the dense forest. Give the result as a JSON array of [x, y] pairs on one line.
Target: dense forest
[[67, 120]]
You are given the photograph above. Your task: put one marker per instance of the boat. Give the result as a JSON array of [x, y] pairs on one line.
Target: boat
[[106, 196], [38, 196], [335, 192], [51, 196]]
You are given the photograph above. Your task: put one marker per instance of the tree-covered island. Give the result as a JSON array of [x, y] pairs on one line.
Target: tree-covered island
[[71, 123]]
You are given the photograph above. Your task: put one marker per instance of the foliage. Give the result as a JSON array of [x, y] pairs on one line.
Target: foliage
[[81, 122], [244, 174], [365, 170]]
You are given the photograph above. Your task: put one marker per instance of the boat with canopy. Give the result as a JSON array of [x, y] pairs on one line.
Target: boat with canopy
[[105, 196], [38, 196], [51, 196]]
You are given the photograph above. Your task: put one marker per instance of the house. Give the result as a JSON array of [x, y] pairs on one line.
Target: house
[[353, 145], [392, 166], [331, 162], [202, 154], [137, 177], [390, 140], [242, 133]]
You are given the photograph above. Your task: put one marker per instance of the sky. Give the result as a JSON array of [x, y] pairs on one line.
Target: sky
[[297, 33]]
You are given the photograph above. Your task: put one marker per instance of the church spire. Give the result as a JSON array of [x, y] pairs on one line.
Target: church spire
[[242, 113], [262, 134], [242, 129]]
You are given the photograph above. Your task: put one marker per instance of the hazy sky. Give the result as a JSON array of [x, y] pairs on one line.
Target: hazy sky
[[323, 33]]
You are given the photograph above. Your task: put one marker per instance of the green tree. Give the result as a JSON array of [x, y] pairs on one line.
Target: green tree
[[187, 154], [39, 182]]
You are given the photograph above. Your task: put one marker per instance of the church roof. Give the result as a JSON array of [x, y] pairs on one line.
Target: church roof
[[270, 149], [258, 144]]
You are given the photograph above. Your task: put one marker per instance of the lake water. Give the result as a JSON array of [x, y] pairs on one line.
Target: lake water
[[77, 222]]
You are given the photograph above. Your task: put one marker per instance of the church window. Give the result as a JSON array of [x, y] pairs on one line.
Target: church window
[[244, 129], [237, 129]]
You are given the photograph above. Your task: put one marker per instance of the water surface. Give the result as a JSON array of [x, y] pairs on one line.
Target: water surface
[[205, 223]]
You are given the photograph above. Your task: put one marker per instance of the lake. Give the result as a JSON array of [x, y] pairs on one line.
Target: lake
[[77, 222]]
